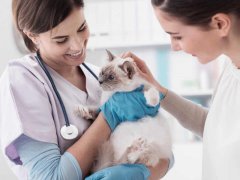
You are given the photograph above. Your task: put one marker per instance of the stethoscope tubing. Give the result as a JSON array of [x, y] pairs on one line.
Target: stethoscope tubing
[[94, 75], [41, 63]]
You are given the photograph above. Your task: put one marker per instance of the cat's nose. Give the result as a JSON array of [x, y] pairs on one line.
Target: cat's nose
[[100, 82]]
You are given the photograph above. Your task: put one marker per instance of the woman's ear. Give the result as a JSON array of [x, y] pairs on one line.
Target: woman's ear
[[222, 22], [32, 36]]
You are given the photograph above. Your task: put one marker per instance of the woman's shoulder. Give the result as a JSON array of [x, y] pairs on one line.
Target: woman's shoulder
[[21, 70], [25, 62]]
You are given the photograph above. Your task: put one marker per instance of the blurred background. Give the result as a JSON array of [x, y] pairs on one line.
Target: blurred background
[[130, 25]]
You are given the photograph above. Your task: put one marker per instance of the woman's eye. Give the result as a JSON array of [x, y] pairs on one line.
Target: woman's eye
[[110, 77], [62, 41], [83, 28], [177, 38]]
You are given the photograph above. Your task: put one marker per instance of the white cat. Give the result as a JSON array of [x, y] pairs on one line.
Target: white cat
[[145, 141]]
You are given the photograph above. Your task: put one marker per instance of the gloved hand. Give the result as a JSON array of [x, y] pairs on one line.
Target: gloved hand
[[122, 172], [127, 106]]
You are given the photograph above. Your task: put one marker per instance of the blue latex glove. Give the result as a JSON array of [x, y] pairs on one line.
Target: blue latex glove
[[127, 106], [122, 172]]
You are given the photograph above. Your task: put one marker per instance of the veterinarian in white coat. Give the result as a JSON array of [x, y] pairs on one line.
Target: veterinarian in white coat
[[207, 29], [40, 136]]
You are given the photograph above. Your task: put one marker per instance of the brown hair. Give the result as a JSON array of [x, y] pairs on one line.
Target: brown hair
[[197, 12], [38, 16]]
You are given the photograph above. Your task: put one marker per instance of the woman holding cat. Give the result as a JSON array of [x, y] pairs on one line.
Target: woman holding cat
[[206, 29], [56, 33]]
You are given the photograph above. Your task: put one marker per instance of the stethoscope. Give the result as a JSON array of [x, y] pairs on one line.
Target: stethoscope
[[68, 131]]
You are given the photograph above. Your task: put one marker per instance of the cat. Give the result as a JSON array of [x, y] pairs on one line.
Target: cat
[[145, 141]]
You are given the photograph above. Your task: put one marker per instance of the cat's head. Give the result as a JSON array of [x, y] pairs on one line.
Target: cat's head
[[119, 74]]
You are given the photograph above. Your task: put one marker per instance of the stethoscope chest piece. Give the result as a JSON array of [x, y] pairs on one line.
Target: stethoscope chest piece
[[69, 132]]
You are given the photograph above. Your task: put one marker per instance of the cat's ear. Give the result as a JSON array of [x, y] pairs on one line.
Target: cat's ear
[[111, 57], [128, 68]]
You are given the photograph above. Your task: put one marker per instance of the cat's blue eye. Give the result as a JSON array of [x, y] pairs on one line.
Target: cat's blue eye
[[110, 77]]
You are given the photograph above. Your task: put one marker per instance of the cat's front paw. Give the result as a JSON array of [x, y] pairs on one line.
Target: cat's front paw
[[152, 96], [136, 150], [84, 112]]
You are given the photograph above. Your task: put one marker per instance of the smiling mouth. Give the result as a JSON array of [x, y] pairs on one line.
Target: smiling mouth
[[76, 55]]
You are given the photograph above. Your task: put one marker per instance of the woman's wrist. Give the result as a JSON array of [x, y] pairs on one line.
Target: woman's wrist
[[161, 89]]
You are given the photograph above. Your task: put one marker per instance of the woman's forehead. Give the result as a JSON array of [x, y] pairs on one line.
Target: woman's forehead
[[168, 23], [72, 22]]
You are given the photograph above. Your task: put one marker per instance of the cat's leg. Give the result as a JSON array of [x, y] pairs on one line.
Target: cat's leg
[[85, 112], [152, 96], [144, 152]]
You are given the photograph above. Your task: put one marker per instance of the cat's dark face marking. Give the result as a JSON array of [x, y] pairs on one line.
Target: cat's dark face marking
[[108, 78], [117, 74]]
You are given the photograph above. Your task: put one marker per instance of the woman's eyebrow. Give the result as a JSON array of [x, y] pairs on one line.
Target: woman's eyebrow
[[60, 37], [172, 33]]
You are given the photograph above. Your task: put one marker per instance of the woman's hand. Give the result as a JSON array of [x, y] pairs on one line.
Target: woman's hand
[[122, 172], [142, 67], [144, 71], [127, 106]]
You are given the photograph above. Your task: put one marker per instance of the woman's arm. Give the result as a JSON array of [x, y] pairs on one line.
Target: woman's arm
[[44, 161], [160, 170], [86, 148], [189, 114]]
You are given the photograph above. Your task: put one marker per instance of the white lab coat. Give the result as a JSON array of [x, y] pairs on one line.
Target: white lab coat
[[28, 105], [221, 140]]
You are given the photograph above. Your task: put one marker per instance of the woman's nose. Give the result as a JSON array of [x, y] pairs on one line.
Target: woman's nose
[[175, 46], [77, 42]]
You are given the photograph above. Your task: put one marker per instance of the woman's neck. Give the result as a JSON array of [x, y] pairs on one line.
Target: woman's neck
[[233, 45], [234, 54], [74, 75], [62, 69], [232, 50]]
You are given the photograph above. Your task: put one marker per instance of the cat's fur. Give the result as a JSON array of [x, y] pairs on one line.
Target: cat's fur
[[145, 141]]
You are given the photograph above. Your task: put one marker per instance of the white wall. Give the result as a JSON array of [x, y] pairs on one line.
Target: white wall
[[5, 172], [8, 50]]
